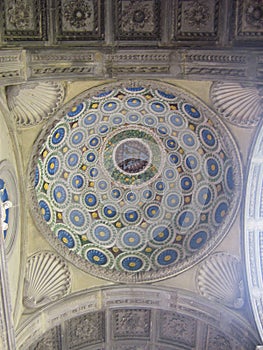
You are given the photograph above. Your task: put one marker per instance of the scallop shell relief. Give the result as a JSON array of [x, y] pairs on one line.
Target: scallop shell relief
[[237, 103], [220, 279], [47, 279], [135, 182]]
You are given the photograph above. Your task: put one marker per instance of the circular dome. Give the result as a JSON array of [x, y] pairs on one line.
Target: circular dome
[[135, 181]]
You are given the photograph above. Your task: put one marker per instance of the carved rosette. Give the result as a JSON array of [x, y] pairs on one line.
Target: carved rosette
[[220, 279], [197, 19], [47, 279], [138, 19], [42, 100], [197, 14], [78, 14], [23, 20], [20, 14], [254, 13]]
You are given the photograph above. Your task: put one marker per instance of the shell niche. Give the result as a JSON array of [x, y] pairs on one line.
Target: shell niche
[[238, 104], [32, 103], [220, 279], [47, 279]]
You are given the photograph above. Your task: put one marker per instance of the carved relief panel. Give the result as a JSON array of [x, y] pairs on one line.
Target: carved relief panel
[[79, 20], [249, 20], [137, 20], [24, 20], [196, 20]]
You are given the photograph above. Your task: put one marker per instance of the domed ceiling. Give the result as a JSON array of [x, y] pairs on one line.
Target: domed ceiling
[[135, 181]]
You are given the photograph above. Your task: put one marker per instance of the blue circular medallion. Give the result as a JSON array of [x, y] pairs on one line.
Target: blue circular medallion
[[66, 238], [90, 200], [53, 165], [97, 257], [157, 107], [89, 119], [166, 257], [77, 218], [58, 135], [132, 263], [45, 210], [191, 111], [198, 240]]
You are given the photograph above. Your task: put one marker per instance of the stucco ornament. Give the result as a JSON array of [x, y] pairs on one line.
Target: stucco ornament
[[77, 13], [135, 181], [19, 14], [254, 13], [197, 13]]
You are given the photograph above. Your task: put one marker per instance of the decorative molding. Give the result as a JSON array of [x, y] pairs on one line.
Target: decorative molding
[[23, 66], [253, 235], [43, 99], [132, 318], [215, 72], [12, 66], [239, 104], [219, 278], [47, 279]]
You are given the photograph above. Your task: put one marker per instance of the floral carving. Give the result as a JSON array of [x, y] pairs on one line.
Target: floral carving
[[131, 322], [176, 327], [197, 14], [77, 13], [138, 16], [85, 329], [217, 340], [19, 14], [254, 13], [51, 340]]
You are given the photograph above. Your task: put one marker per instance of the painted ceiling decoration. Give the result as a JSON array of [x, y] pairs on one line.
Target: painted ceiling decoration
[[8, 203], [135, 181], [5, 206]]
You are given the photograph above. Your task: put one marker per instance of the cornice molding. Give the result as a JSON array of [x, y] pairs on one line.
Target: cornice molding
[[25, 65]]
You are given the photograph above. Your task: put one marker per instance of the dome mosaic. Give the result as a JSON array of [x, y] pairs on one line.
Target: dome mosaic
[[135, 181]]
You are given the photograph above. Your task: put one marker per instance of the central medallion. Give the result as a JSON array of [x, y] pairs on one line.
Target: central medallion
[[132, 156]]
